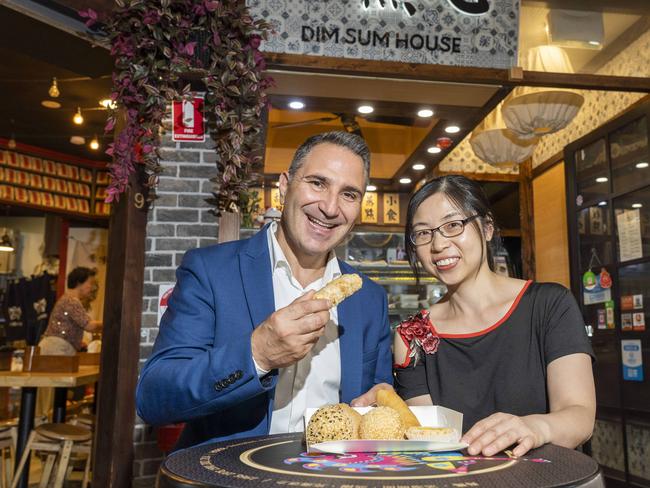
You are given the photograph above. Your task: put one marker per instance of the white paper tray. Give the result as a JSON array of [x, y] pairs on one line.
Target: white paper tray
[[431, 416], [343, 447]]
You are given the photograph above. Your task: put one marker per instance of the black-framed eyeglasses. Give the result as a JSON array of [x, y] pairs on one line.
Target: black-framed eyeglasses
[[452, 228]]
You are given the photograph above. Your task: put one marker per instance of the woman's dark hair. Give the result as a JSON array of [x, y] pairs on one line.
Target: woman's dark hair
[[79, 276], [468, 196]]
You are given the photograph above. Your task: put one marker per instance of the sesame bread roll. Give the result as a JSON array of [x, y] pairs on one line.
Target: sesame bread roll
[[388, 398], [339, 289]]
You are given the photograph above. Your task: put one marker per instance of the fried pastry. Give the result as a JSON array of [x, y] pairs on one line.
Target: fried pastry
[[339, 289]]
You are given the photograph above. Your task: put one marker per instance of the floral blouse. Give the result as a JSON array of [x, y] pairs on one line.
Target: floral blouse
[[68, 321]]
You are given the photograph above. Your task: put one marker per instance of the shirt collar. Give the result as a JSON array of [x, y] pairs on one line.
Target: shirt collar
[[278, 259]]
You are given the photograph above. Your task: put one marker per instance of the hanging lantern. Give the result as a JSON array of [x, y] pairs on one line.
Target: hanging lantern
[[534, 112], [498, 146], [540, 113]]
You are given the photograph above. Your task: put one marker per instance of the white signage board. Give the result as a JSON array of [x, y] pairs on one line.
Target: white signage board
[[476, 33]]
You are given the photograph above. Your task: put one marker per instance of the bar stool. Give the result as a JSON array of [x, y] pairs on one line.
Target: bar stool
[[8, 435], [59, 440]]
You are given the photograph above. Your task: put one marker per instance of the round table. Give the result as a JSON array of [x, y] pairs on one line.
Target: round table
[[281, 460]]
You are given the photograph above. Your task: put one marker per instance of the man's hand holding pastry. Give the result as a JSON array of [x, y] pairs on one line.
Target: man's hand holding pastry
[[290, 333]]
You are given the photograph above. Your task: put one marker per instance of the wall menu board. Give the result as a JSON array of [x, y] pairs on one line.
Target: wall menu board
[[37, 182]]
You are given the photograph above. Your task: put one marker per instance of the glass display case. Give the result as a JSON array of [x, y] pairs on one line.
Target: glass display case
[[382, 257], [608, 208]]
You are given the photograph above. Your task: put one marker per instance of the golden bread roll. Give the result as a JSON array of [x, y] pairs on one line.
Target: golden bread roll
[[437, 434], [388, 398], [381, 423], [333, 423], [339, 289]]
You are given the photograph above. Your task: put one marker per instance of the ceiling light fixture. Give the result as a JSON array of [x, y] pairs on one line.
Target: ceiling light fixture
[[11, 143], [107, 103], [594, 43], [405, 181], [296, 105], [418, 167], [78, 118], [371, 188], [642, 165], [452, 129], [50, 104], [5, 243], [54, 89], [425, 113], [637, 205], [601, 179], [365, 109], [434, 150], [94, 144], [77, 140], [602, 204]]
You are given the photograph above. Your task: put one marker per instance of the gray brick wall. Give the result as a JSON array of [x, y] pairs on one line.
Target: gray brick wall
[[179, 220]]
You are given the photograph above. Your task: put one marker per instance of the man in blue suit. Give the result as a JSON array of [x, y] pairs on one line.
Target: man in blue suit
[[244, 347]]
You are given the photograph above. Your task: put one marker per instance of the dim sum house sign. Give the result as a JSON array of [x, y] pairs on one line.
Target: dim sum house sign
[[478, 33]]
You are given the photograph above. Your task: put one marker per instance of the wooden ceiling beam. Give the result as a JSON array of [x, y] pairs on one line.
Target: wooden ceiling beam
[[455, 74]]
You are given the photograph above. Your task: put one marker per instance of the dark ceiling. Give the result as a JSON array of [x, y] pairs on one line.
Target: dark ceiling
[[32, 53]]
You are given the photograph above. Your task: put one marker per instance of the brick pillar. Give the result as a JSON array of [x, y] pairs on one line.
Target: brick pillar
[[179, 220]]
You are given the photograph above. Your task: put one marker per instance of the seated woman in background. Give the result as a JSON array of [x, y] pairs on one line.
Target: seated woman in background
[[69, 318], [511, 355]]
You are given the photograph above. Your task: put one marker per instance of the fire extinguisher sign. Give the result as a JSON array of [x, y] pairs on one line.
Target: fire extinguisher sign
[[187, 116]]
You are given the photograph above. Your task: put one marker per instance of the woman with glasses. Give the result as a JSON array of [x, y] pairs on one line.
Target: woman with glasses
[[511, 355]]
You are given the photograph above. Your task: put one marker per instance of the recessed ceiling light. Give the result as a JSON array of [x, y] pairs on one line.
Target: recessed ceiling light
[[366, 109], [434, 150], [637, 205], [405, 181], [594, 43], [371, 188], [50, 104], [642, 165], [418, 167], [601, 179], [296, 105], [425, 112], [77, 140], [452, 129], [602, 204], [107, 103]]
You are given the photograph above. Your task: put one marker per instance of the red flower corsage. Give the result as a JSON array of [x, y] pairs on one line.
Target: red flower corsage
[[418, 335]]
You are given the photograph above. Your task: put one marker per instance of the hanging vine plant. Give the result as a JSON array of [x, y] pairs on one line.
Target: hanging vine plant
[[158, 45]]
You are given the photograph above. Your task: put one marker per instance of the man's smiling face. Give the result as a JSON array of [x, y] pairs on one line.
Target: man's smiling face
[[322, 200]]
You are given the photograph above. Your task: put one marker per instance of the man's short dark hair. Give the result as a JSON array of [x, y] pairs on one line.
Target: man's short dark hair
[[79, 276], [348, 140]]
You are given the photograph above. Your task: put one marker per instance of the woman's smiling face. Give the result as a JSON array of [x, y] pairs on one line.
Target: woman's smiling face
[[450, 259]]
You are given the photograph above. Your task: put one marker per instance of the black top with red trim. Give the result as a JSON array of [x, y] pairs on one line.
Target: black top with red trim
[[503, 367]]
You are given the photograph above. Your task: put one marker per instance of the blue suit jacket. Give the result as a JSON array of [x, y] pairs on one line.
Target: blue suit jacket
[[201, 370]]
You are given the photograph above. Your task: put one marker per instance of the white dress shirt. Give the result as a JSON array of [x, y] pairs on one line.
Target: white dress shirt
[[313, 381]]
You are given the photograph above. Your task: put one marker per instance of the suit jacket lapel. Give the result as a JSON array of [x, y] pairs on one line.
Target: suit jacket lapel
[[350, 344], [255, 268]]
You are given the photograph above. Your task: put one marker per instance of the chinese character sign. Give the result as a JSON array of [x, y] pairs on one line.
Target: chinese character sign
[[391, 208], [275, 199], [369, 208]]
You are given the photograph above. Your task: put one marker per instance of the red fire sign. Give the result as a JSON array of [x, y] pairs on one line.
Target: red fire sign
[[187, 116]]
